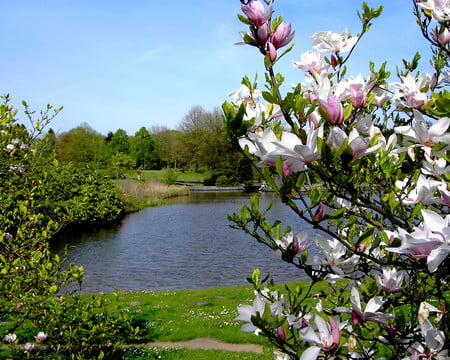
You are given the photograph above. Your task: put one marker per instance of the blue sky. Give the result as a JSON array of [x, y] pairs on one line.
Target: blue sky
[[127, 64]]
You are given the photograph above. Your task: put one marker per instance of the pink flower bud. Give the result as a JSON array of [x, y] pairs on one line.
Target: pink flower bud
[[355, 318], [255, 12], [281, 334], [282, 35], [319, 213], [263, 33], [272, 52], [442, 37], [19, 306], [332, 109], [333, 61], [286, 170]]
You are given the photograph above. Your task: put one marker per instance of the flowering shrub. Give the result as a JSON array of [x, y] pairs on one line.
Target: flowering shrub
[[365, 161], [35, 320]]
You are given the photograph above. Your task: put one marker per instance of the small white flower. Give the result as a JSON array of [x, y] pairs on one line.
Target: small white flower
[[10, 338]]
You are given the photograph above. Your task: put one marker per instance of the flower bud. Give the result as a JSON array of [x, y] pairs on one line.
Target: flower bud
[[332, 110], [255, 12], [282, 35], [319, 213], [281, 334]]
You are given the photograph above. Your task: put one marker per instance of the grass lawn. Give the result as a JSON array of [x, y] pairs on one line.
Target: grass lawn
[[174, 316], [161, 175]]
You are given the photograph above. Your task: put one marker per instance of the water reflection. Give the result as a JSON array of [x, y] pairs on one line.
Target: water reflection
[[185, 245]]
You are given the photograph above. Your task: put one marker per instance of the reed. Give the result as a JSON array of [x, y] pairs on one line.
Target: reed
[[137, 195]]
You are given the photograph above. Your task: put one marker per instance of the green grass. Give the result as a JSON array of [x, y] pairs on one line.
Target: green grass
[[161, 175], [190, 314], [187, 354], [173, 316]]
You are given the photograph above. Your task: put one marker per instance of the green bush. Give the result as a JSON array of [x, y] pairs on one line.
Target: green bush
[[34, 194]]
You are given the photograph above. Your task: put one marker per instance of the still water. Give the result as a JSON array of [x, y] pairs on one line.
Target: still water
[[185, 245]]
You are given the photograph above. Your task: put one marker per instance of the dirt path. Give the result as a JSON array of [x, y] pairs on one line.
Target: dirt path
[[208, 344]]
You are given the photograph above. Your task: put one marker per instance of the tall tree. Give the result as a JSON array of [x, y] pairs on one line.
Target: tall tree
[[82, 146], [143, 150], [168, 145], [119, 143]]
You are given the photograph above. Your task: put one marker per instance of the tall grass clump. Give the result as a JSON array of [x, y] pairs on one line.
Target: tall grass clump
[[137, 195]]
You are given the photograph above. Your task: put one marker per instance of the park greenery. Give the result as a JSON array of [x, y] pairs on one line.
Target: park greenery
[[199, 145], [365, 161]]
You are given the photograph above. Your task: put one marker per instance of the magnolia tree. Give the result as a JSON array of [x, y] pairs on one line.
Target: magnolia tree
[[365, 161]]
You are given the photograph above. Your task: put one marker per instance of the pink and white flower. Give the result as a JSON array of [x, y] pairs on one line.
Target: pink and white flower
[[10, 338], [312, 62], [327, 41], [358, 144], [422, 193], [440, 9], [295, 244], [370, 312], [353, 89], [430, 241], [423, 137], [391, 280], [411, 92], [256, 13], [324, 335], [334, 253]]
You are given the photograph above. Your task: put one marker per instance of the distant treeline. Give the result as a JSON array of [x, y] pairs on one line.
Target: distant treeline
[[198, 144]]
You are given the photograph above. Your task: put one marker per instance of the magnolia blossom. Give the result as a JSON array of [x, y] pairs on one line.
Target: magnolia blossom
[[370, 312], [295, 244], [325, 336], [424, 137], [254, 108], [434, 344], [312, 62], [411, 92], [247, 311], [332, 109], [28, 347], [256, 13], [282, 35], [261, 145], [10, 338], [276, 306], [424, 311], [328, 41], [291, 149], [359, 145], [334, 253], [440, 9], [435, 167], [382, 96], [365, 126], [10, 147], [430, 241], [391, 280], [442, 36], [353, 89], [41, 336], [423, 192]]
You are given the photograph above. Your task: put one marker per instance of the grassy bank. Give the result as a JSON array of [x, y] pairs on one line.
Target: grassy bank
[[136, 195], [177, 316], [151, 189]]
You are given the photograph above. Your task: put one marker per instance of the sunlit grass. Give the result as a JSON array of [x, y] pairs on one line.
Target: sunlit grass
[[137, 195]]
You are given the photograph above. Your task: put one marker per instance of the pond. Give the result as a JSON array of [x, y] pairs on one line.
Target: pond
[[187, 244]]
